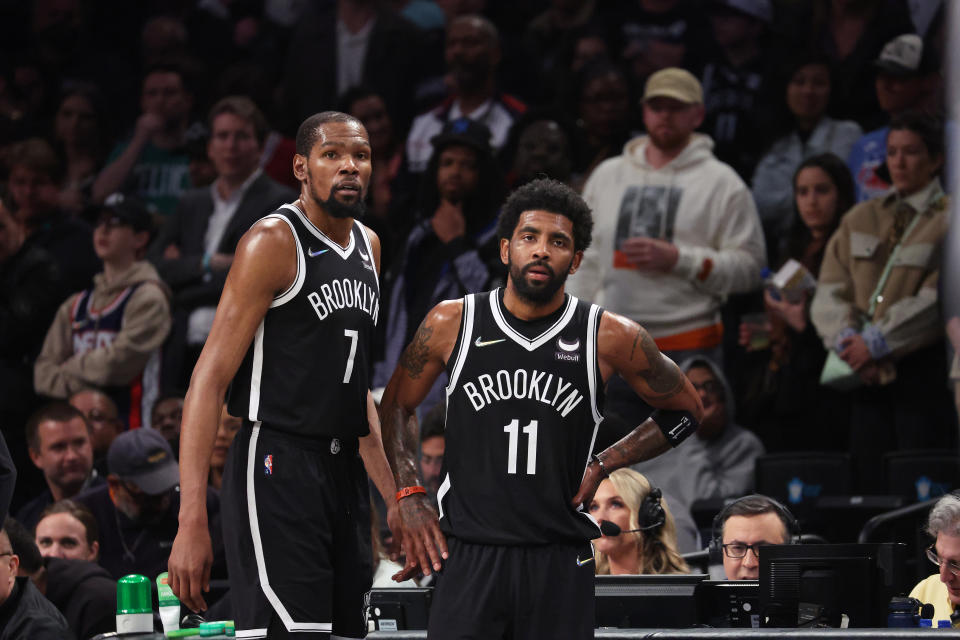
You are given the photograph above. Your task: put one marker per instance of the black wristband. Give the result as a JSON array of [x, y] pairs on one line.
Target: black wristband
[[676, 426]]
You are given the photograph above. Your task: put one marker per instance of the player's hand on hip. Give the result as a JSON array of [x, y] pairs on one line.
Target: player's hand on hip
[[588, 486], [423, 541], [189, 566]]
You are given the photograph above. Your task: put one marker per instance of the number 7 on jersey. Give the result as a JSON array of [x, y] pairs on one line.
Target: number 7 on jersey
[[353, 335]]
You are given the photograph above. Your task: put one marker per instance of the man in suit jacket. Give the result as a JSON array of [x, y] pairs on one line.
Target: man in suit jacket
[[194, 250]]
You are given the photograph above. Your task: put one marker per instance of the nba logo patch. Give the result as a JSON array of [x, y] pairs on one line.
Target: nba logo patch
[[268, 464]]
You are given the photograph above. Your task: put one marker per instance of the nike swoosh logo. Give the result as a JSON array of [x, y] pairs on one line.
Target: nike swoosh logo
[[580, 562], [568, 347], [314, 254], [362, 256], [484, 343]]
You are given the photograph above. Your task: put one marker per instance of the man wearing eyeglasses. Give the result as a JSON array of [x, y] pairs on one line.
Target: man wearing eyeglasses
[[942, 589], [746, 525], [24, 612], [109, 335]]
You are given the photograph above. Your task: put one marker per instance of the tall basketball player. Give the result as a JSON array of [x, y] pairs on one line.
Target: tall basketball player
[[527, 366], [292, 332]]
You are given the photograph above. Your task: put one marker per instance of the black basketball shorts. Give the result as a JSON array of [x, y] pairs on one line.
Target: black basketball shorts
[[296, 528], [529, 593]]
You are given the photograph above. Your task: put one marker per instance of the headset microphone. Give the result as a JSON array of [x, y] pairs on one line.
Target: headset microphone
[[612, 530]]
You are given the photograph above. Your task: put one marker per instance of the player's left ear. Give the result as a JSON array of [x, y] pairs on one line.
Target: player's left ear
[[575, 264], [505, 250]]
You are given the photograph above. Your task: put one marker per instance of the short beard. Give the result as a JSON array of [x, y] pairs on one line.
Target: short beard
[[537, 295], [336, 208]]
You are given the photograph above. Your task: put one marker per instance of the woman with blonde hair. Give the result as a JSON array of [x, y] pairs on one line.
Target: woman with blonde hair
[[647, 543]]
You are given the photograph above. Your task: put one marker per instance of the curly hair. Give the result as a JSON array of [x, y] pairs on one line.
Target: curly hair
[[657, 548], [550, 195]]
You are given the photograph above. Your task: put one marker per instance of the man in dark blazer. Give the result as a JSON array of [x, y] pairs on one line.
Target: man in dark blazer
[[194, 250], [338, 45]]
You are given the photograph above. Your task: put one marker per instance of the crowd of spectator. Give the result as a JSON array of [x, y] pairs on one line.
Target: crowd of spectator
[[711, 138]]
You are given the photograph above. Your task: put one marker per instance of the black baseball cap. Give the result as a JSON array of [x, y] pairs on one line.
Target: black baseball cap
[[143, 457], [130, 210], [466, 132]]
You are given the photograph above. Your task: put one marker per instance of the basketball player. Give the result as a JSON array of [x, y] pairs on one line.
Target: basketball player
[[293, 332], [527, 366]]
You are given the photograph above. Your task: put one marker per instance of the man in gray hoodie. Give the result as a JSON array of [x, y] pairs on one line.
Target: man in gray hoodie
[[718, 462]]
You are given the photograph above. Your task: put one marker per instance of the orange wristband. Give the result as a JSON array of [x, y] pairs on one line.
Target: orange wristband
[[409, 491]]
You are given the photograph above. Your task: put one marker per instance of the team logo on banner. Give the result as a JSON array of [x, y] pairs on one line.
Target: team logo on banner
[[268, 464]]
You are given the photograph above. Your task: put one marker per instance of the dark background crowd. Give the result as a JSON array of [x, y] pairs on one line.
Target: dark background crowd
[[139, 140]]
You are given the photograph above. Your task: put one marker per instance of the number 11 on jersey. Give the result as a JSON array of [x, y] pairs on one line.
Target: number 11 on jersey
[[513, 430]]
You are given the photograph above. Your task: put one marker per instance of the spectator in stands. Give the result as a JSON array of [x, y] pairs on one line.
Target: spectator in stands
[[601, 100], [80, 589], [745, 525], [338, 45], [877, 307], [718, 462], [908, 78], [736, 81], [34, 173], [542, 146], [942, 589], [651, 35], [432, 445], [676, 233], [782, 397], [387, 204], [628, 500], [472, 55], [150, 164], [804, 130], [30, 292], [58, 438], [165, 417], [78, 135], [194, 250], [551, 32], [852, 33], [68, 530], [109, 335], [226, 431], [24, 611], [137, 510], [101, 414], [453, 249]]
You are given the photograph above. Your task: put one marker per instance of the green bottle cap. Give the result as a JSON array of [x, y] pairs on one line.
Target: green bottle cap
[[133, 595], [183, 633], [229, 628], [208, 629]]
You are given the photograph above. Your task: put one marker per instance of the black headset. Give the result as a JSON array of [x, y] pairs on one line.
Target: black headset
[[716, 531], [650, 514]]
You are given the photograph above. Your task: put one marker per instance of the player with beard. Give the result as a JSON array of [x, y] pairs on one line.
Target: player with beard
[[527, 366], [293, 333]]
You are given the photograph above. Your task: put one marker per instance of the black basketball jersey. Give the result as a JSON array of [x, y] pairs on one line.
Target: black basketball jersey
[[307, 371], [522, 415]]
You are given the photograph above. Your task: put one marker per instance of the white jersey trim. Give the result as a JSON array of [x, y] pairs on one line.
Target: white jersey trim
[[519, 338], [343, 252], [441, 492], [593, 320], [252, 633], [256, 371], [466, 335], [369, 256], [297, 283], [258, 547]]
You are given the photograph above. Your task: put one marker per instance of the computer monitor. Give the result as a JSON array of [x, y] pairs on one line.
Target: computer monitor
[[647, 602], [830, 585], [400, 609], [728, 603]]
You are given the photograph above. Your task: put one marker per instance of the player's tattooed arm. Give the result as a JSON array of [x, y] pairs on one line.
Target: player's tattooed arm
[[662, 376], [417, 353], [421, 363]]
